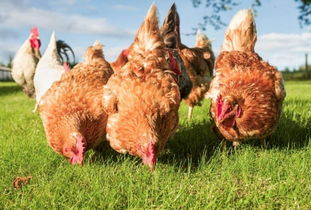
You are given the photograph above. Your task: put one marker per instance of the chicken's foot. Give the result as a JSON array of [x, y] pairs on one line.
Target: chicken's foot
[[223, 145], [190, 112], [236, 144], [263, 143], [36, 108]]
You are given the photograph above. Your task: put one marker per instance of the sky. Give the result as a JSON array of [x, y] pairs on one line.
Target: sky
[[114, 23]]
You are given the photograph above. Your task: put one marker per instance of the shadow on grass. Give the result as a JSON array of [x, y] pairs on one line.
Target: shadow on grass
[[290, 134], [189, 145], [185, 149], [8, 90], [103, 152], [195, 141]]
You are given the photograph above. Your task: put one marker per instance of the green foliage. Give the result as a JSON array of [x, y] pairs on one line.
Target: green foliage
[[215, 9], [8, 64], [297, 74], [304, 12], [191, 173]]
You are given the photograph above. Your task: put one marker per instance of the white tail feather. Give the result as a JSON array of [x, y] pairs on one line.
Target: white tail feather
[[98, 44], [241, 33], [202, 40]]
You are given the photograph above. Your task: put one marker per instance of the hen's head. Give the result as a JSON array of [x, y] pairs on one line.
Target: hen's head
[[227, 110], [74, 148], [35, 38]]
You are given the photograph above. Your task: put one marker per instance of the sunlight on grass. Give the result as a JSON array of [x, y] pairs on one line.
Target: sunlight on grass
[[191, 172]]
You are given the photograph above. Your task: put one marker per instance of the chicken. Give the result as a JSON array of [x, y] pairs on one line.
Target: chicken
[[169, 35], [51, 66], [25, 62], [247, 92], [142, 97], [199, 61], [71, 110]]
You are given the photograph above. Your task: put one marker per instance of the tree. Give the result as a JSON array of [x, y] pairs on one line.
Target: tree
[[305, 12], [217, 7], [9, 64]]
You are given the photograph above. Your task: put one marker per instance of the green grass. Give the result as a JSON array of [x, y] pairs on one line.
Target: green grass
[[192, 173]]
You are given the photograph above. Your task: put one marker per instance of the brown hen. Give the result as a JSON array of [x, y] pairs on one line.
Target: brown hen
[[199, 60], [247, 93], [142, 97], [71, 110]]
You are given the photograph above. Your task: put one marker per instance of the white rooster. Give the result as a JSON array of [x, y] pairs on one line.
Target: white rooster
[[51, 66], [25, 62]]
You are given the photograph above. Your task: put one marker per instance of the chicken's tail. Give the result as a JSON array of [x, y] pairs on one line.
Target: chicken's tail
[[57, 51], [148, 37], [170, 28], [94, 53], [202, 41], [97, 45], [170, 32], [63, 50], [241, 33]]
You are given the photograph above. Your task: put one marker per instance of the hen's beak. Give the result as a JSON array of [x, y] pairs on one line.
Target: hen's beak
[[220, 119], [149, 156], [223, 117], [234, 113], [76, 160], [150, 163], [37, 54]]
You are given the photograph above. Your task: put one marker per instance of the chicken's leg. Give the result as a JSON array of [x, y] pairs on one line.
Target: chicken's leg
[[36, 108], [263, 143], [236, 144], [223, 145], [190, 112]]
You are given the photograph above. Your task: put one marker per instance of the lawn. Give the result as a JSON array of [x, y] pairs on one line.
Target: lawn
[[191, 173]]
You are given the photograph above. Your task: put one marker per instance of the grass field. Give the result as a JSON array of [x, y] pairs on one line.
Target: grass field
[[192, 173]]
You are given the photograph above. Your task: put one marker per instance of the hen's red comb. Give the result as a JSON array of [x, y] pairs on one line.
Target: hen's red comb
[[78, 156], [35, 32], [80, 144]]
